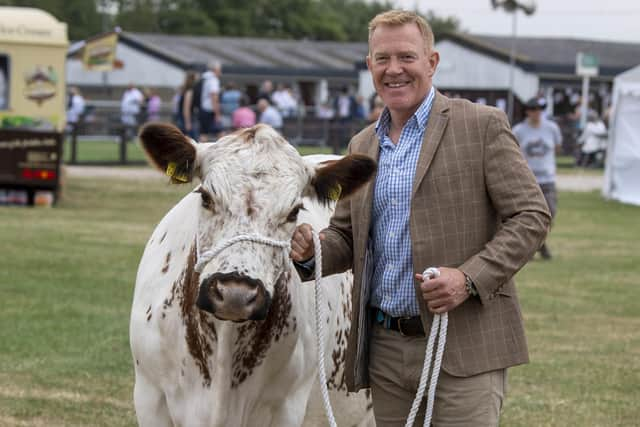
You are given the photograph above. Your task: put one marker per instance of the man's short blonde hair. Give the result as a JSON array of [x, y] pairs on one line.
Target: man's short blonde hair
[[402, 17]]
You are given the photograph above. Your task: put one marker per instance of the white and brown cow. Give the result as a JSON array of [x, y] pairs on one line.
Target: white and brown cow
[[234, 345]]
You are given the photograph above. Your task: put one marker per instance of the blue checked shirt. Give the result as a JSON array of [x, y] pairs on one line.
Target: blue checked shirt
[[393, 276]]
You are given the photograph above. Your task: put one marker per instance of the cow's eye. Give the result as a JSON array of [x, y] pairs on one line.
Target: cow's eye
[[293, 215], [207, 200]]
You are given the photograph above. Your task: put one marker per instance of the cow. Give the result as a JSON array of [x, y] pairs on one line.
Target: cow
[[229, 340]]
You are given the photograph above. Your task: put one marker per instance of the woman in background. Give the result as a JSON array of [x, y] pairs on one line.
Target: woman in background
[[185, 105]]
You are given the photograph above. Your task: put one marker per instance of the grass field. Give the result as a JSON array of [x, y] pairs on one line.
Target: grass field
[[109, 151], [67, 275]]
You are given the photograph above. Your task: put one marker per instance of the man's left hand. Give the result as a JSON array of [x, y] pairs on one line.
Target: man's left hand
[[443, 294]]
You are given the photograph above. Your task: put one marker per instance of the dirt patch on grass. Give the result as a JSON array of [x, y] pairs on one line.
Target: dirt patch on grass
[[7, 421], [74, 397]]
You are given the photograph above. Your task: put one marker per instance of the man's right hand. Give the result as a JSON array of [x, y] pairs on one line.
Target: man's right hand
[[302, 243]]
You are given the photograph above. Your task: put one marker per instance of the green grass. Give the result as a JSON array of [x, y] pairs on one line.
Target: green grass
[[582, 316], [565, 165], [109, 151], [66, 283], [102, 151]]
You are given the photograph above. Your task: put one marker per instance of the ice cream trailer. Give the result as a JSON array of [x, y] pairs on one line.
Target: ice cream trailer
[[33, 48]]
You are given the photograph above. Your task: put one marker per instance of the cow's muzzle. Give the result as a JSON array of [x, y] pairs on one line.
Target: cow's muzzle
[[234, 296]]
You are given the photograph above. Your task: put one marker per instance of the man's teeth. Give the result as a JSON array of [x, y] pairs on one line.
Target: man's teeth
[[395, 84]]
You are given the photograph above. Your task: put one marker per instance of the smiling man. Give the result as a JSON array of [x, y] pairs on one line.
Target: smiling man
[[452, 191]]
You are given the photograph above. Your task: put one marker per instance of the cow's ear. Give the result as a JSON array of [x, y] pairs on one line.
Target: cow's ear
[[169, 150], [337, 179]]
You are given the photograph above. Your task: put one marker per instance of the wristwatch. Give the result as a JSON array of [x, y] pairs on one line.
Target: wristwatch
[[471, 288]]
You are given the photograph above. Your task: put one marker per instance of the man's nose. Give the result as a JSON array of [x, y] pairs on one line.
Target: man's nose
[[395, 66]]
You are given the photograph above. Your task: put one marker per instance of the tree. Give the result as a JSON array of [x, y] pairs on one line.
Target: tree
[[81, 16], [339, 20], [441, 26]]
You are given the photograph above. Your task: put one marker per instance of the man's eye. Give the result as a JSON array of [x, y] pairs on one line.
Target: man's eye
[[293, 215]]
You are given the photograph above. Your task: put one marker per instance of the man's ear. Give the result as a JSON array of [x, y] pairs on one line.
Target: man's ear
[[337, 179], [169, 150]]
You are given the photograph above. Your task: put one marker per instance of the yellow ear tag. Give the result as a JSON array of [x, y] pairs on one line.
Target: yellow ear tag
[[171, 171], [335, 192]]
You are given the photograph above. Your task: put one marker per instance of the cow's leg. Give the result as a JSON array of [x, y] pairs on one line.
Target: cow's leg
[[150, 403], [289, 414]]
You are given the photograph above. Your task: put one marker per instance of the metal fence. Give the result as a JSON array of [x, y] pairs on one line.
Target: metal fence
[[102, 122]]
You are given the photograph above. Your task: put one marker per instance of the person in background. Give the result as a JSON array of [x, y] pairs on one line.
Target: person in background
[[360, 110], [269, 115], [4, 101], [229, 102], [345, 106], [266, 90], [284, 101], [540, 139], [593, 140], [210, 113], [130, 107], [243, 117], [185, 105], [325, 111], [452, 191], [75, 107], [154, 103], [376, 110]]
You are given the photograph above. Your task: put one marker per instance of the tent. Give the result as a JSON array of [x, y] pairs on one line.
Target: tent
[[622, 169]]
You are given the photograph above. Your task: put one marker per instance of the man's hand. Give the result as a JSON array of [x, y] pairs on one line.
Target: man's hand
[[302, 243], [443, 294]]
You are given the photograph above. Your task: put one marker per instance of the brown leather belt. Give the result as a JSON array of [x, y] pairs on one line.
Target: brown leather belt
[[407, 326]]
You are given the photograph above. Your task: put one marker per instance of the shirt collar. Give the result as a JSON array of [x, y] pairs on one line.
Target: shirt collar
[[421, 115]]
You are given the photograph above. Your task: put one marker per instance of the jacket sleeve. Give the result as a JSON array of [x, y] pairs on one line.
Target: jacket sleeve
[[337, 246], [519, 204]]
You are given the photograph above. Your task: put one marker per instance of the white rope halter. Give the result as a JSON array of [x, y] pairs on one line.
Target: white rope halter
[[439, 325], [208, 255]]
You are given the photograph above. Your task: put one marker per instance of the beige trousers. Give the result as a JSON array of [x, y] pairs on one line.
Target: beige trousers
[[395, 365]]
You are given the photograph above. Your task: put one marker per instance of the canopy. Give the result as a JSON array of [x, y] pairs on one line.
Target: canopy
[[622, 169]]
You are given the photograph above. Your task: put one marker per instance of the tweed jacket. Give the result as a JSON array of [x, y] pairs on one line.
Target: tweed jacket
[[475, 206]]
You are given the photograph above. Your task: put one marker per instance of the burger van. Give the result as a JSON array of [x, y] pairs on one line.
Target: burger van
[[33, 47]]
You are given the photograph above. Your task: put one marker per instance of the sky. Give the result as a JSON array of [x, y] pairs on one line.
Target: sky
[[614, 20]]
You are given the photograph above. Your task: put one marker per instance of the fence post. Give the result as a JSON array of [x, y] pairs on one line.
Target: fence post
[[123, 145], [74, 143]]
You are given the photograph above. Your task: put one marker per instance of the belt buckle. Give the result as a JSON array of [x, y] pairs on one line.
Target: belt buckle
[[400, 325]]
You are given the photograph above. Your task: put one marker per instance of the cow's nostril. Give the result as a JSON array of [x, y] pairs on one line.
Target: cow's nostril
[[252, 298], [216, 292]]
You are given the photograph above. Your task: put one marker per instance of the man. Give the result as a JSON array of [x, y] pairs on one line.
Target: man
[[269, 114], [452, 191], [540, 139], [209, 112], [130, 105], [76, 106]]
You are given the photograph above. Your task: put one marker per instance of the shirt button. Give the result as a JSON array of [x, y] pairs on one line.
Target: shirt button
[[394, 201], [392, 234]]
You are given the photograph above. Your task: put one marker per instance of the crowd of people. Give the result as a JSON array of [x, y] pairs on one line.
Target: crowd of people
[[203, 108]]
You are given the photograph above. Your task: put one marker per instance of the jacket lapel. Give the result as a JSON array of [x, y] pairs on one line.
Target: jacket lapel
[[363, 220], [436, 125]]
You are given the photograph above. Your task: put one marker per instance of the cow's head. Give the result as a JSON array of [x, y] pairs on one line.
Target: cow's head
[[252, 182]]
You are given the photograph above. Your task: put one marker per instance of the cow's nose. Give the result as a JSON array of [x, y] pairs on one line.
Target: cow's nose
[[232, 296]]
